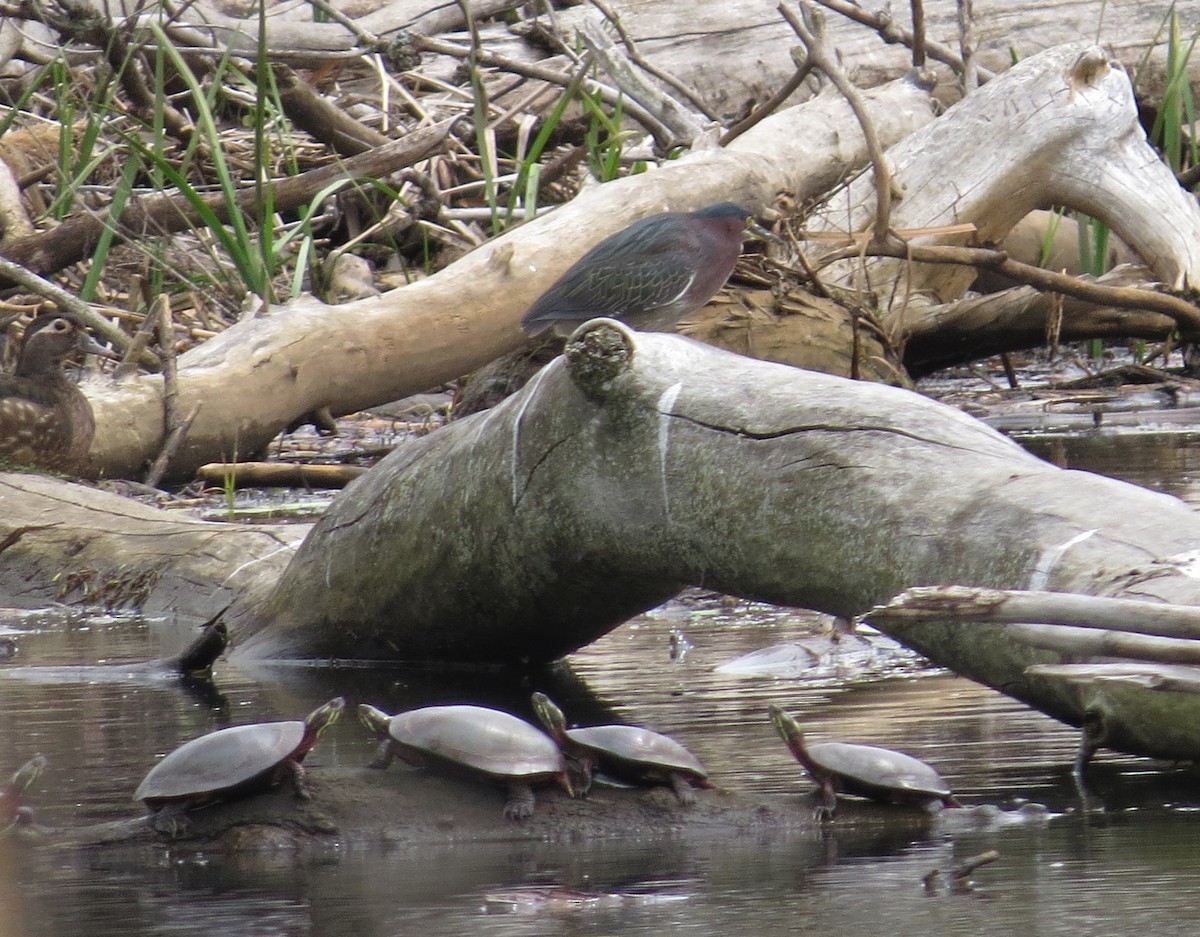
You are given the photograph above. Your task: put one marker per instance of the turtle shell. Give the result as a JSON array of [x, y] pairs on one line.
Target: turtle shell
[[878, 773], [488, 740], [635, 747], [215, 763]]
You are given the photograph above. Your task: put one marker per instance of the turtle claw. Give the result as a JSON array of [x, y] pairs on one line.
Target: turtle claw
[[520, 802], [170, 822]]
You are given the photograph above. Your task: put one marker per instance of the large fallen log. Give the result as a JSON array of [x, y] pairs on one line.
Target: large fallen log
[[638, 463]]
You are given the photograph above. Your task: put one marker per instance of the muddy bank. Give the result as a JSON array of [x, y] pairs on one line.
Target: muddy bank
[[359, 808]]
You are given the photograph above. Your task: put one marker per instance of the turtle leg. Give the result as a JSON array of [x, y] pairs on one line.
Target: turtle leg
[[828, 801], [22, 818], [1091, 736], [682, 787], [294, 774], [383, 755], [171, 821], [520, 801], [580, 772]]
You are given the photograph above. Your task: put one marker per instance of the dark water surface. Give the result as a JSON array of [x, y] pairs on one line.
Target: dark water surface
[[1129, 869]]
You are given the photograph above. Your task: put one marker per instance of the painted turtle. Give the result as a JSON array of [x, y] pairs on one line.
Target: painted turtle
[[234, 762], [863, 770], [627, 753], [486, 741], [12, 811]]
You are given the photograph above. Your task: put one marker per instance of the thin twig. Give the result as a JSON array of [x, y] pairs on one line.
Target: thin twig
[[685, 127], [170, 447], [638, 59], [64, 301], [812, 33], [768, 107], [608, 95], [969, 76], [141, 338], [164, 324], [918, 43], [160, 311], [1121, 297], [888, 31]]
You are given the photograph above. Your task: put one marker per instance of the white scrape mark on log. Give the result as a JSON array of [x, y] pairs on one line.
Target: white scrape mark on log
[[665, 403], [1049, 559], [530, 393], [286, 548]]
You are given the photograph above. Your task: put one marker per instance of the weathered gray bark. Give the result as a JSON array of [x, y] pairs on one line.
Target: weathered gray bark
[[1031, 138], [734, 52], [77, 544], [1147, 701]]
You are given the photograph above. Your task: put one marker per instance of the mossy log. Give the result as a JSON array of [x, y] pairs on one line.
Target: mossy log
[[637, 464]]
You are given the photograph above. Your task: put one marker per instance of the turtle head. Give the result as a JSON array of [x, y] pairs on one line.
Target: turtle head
[[789, 729], [579, 764], [324, 716], [551, 716], [376, 720], [27, 774]]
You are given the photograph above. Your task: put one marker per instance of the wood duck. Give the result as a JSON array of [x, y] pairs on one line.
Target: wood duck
[[45, 421]]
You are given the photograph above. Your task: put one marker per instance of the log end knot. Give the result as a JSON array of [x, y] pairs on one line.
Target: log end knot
[[1091, 65], [597, 352]]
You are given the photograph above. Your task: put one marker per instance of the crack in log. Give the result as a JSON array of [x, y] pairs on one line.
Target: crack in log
[[14, 536], [817, 427]]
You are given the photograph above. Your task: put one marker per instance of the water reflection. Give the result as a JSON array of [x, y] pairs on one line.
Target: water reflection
[[1131, 867]]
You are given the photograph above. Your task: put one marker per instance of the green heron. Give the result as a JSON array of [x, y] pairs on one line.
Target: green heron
[[649, 275], [45, 420]]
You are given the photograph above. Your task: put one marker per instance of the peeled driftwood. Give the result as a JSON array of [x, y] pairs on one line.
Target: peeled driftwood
[[1027, 139], [75, 544], [259, 376], [1008, 606], [1148, 702], [729, 53], [278, 474]]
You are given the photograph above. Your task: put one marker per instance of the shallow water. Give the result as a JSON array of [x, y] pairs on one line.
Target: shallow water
[[1127, 869]]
